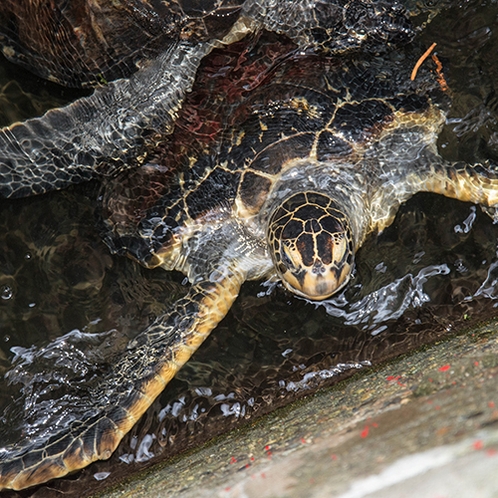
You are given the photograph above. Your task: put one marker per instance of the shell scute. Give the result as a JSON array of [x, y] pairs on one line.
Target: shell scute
[[271, 159], [281, 112], [218, 185], [253, 190], [330, 145], [355, 120], [411, 102]]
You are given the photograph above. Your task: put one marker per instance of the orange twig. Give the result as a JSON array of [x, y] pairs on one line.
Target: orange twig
[[421, 60], [439, 72]]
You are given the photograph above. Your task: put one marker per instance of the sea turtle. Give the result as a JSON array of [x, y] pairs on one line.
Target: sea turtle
[[86, 42], [102, 132], [281, 163], [81, 43]]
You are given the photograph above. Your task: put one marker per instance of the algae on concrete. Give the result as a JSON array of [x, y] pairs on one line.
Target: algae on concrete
[[423, 425]]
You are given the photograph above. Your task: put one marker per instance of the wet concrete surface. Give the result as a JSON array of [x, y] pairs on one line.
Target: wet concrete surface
[[424, 425]]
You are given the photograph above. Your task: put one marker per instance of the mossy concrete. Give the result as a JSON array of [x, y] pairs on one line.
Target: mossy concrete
[[424, 425]]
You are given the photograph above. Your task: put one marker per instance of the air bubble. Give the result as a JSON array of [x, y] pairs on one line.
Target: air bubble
[[381, 267], [100, 476], [6, 292]]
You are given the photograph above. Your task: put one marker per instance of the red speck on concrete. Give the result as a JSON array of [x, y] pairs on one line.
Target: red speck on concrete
[[365, 431], [444, 368], [334, 457], [491, 404], [476, 363], [478, 445], [391, 378], [491, 452], [233, 460]]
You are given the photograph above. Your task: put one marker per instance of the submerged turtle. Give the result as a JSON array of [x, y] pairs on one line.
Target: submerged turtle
[[78, 41], [86, 42], [81, 43], [280, 165]]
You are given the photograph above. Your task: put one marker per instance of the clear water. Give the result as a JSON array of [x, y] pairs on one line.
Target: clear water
[[67, 307]]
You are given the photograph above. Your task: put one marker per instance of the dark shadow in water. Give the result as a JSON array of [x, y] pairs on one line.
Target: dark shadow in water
[[67, 303]]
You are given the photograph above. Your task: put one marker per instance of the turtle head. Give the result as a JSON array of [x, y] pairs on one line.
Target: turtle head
[[311, 245]]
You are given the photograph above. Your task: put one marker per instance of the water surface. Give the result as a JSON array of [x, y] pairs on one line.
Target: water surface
[[68, 307]]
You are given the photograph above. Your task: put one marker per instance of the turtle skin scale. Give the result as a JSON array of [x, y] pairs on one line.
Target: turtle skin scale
[[267, 134]]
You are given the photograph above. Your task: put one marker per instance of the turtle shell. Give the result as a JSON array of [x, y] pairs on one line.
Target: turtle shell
[[84, 42], [88, 42], [256, 107], [81, 42]]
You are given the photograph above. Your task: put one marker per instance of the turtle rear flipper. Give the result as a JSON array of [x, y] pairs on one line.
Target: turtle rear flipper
[[101, 133], [151, 361]]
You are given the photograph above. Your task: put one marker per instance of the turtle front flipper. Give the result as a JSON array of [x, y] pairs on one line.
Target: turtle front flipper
[[150, 362], [477, 183], [102, 133]]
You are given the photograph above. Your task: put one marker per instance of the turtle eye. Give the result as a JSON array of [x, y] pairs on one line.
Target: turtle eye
[[286, 257]]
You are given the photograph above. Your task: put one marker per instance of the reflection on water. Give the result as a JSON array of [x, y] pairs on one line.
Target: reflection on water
[[23, 95], [67, 307]]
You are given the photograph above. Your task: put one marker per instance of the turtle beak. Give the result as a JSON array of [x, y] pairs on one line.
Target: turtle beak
[[320, 281]]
